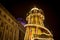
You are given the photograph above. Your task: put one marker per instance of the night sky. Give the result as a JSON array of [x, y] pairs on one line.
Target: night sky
[[19, 9]]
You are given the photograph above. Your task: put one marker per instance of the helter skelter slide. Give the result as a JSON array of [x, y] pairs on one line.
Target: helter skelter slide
[[35, 29]]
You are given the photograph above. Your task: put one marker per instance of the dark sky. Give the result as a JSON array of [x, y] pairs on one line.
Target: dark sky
[[19, 9]]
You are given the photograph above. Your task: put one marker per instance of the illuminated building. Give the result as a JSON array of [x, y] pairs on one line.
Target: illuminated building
[[10, 28], [35, 29]]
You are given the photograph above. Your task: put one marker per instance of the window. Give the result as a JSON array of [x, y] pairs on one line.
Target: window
[[11, 30], [1, 35], [7, 27], [2, 24], [4, 16], [0, 11], [12, 23], [9, 20]]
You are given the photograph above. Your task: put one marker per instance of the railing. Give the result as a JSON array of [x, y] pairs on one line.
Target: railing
[[43, 39]]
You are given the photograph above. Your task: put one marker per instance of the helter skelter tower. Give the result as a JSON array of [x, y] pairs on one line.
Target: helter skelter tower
[[35, 29]]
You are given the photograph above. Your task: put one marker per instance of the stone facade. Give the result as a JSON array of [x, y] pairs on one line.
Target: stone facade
[[10, 28]]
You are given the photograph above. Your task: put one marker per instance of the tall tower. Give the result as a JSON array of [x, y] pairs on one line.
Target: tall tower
[[35, 29]]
